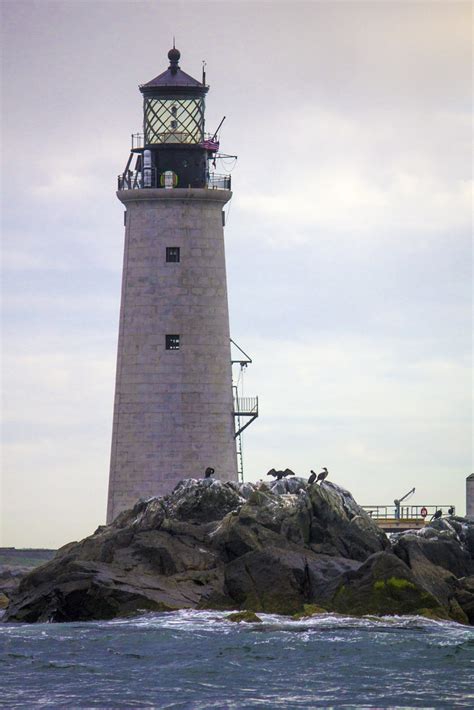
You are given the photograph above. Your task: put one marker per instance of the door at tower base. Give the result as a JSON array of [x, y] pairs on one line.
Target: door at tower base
[[173, 413]]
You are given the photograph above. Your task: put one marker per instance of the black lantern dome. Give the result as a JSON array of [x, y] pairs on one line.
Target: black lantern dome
[[174, 80]]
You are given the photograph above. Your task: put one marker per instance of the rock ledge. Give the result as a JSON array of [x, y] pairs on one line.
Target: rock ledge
[[273, 548]]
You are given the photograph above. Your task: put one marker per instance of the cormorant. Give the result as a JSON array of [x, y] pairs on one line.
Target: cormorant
[[437, 515], [280, 474], [312, 478], [208, 472], [323, 475], [451, 510]]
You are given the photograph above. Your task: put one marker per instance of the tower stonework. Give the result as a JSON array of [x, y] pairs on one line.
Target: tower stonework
[[173, 411]]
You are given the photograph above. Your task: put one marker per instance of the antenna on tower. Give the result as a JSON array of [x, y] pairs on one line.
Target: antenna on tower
[[204, 64], [214, 137]]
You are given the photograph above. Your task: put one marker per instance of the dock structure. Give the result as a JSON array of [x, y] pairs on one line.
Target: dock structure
[[410, 517]]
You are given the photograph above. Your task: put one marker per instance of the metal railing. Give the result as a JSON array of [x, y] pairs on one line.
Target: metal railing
[[138, 139], [246, 405], [407, 512], [136, 180], [219, 182]]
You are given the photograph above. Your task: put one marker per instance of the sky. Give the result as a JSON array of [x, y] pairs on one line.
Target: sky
[[348, 239]]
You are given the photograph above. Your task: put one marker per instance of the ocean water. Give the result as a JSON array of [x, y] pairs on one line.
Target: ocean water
[[198, 660]]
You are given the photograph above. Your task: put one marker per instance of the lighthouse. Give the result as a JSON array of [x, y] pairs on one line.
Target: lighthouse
[[174, 410]]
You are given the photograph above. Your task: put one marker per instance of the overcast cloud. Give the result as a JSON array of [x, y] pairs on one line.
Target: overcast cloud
[[348, 238]]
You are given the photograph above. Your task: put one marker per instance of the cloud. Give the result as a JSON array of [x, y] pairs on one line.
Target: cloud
[[348, 239], [344, 174], [57, 411], [381, 417], [355, 376]]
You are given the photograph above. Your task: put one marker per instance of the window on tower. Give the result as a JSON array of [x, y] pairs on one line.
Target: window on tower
[[172, 342], [173, 254]]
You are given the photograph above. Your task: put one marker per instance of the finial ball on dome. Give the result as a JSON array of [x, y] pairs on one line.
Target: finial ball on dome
[[174, 55]]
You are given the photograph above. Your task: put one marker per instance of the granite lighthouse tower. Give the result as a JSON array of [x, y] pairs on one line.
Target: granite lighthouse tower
[[173, 411]]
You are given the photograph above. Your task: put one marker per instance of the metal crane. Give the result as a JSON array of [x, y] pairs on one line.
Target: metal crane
[[397, 502]]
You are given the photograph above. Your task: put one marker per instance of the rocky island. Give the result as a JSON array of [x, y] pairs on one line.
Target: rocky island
[[288, 547]]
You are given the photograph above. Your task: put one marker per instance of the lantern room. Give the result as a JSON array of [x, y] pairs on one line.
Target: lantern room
[[173, 150], [173, 108]]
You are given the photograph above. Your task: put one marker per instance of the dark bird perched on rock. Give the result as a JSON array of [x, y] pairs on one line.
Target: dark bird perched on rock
[[451, 510], [280, 474], [312, 478], [437, 515], [208, 472], [323, 475]]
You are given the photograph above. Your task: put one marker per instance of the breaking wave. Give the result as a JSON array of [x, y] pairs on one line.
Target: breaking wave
[[199, 660]]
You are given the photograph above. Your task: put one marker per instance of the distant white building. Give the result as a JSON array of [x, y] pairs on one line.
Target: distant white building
[[470, 496]]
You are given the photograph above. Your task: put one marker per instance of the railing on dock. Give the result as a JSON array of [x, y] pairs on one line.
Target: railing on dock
[[407, 517], [388, 512]]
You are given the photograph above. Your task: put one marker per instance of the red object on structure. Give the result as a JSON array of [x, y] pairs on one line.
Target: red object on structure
[[423, 512], [210, 145]]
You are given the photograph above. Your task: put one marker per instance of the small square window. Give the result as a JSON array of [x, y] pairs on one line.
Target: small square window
[[172, 254], [172, 342]]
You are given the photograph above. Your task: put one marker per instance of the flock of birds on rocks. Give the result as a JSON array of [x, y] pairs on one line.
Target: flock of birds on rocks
[[313, 478], [278, 475]]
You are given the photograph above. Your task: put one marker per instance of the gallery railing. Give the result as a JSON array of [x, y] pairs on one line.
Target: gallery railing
[[150, 178], [407, 512]]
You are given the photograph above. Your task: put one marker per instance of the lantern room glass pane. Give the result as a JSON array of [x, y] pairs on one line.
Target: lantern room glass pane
[[174, 120]]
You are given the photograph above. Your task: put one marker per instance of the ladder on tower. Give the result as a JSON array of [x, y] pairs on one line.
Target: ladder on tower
[[238, 437], [244, 408]]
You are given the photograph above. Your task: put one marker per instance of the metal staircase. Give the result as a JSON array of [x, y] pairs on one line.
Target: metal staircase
[[245, 408]]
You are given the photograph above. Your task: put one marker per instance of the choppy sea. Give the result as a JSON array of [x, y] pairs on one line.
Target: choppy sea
[[198, 660]]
